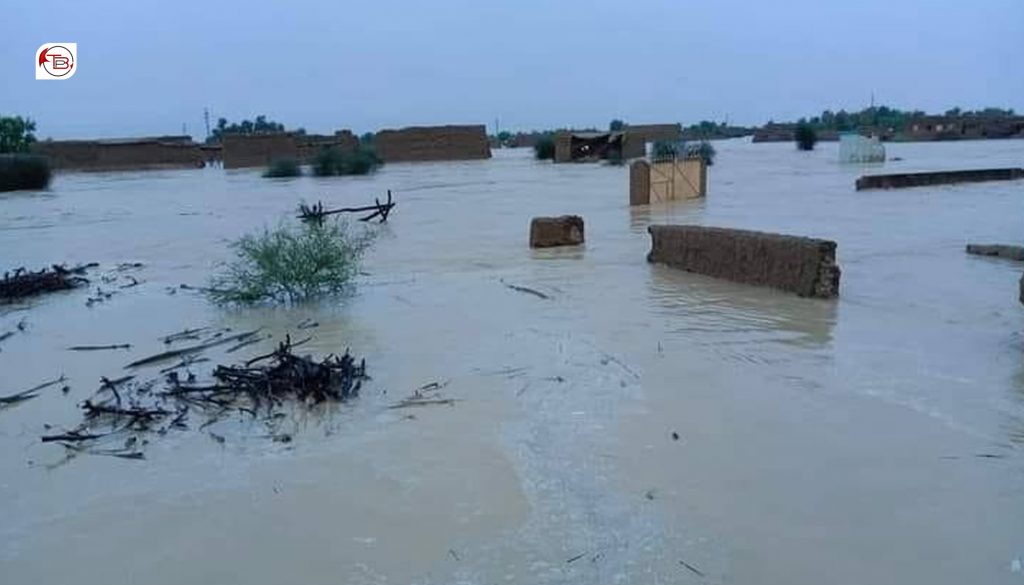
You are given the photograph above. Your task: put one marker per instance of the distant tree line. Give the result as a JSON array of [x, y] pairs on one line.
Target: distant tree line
[[16, 134], [886, 117], [18, 169], [261, 125]]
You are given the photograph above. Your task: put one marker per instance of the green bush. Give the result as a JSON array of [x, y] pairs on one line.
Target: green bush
[[23, 171], [283, 168], [331, 162], [702, 149], [805, 136], [544, 148], [290, 264], [16, 134], [664, 150]]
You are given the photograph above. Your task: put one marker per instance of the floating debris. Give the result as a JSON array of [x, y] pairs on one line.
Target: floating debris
[[261, 387], [30, 393], [24, 283], [526, 290], [100, 347], [316, 213]]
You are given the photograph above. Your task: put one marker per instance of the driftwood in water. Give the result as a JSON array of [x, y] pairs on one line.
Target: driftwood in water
[[263, 387], [30, 393], [100, 347], [316, 213], [25, 283], [526, 290], [190, 350]]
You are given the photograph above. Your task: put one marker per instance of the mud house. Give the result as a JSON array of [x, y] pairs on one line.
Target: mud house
[[648, 133], [122, 154], [260, 150], [926, 128], [433, 143], [594, 146]]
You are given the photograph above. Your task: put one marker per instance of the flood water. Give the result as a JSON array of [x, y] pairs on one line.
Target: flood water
[[875, 438]]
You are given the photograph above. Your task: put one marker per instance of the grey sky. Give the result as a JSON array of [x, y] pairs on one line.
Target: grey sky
[[148, 67]]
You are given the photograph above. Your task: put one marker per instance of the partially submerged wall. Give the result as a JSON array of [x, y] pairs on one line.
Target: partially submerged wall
[[432, 143], [655, 132], [309, 145], [1007, 251], [657, 182], [171, 152], [903, 180], [258, 150], [806, 266]]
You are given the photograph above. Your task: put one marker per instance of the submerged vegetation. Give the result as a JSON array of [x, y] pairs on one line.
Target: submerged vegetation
[[332, 161], [806, 137], [703, 150], [23, 171], [291, 263], [668, 150], [16, 134], [544, 148], [283, 168], [261, 125]]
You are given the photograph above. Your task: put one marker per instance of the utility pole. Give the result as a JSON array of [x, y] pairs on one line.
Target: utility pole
[[184, 129], [206, 118]]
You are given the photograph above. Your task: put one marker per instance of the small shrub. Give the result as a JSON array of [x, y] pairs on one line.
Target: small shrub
[[331, 162], [664, 150], [702, 149], [544, 148], [290, 264], [23, 171], [805, 136], [283, 168], [614, 157]]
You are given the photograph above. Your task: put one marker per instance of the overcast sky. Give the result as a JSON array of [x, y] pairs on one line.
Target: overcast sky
[[147, 67]]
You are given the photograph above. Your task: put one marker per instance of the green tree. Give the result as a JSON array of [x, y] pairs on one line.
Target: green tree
[[544, 148], [806, 137], [16, 134], [616, 125]]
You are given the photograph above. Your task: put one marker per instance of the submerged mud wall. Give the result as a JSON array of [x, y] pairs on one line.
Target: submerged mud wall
[[904, 180], [432, 143], [655, 132], [258, 150], [309, 145], [170, 152], [806, 266]]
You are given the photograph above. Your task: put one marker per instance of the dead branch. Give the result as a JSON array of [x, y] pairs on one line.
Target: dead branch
[[100, 347], [190, 350], [316, 213], [25, 283], [30, 393], [526, 290]]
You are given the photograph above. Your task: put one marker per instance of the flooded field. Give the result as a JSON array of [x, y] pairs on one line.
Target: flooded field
[[871, 439]]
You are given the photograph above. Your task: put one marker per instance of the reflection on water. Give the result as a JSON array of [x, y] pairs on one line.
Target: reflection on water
[[811, 435], [718, 312]]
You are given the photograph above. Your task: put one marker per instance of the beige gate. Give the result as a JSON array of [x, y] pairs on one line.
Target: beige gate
[[667, 181]]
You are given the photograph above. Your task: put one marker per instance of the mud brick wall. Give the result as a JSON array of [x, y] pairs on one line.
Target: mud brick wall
[[258, 150], [310, 145], [429, 143], [640, 183], [655, 132], [117, 155], [903, 180], [806, 266]]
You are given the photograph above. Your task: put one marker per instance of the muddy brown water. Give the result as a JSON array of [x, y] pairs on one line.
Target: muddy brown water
[[872, 439]]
